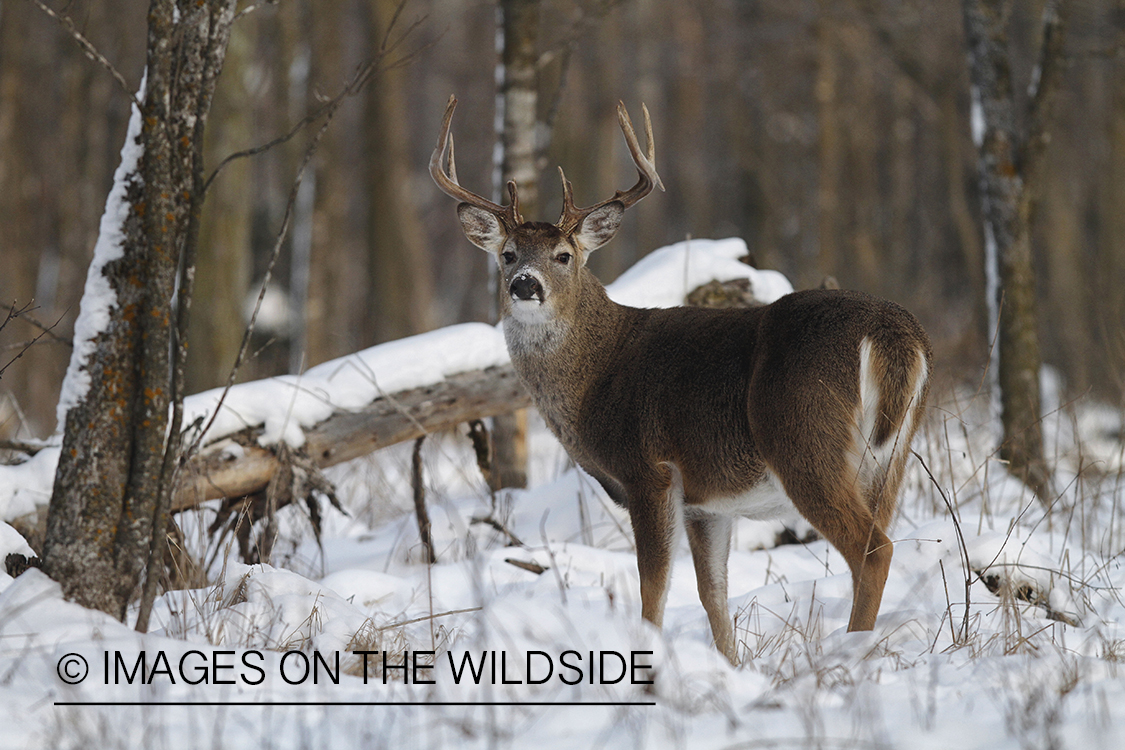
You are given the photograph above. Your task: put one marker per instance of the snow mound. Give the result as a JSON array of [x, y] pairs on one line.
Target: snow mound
[[664, 277]]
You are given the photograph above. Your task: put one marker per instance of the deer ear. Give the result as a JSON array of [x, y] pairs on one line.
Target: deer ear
[[481, 227], [599, 226]]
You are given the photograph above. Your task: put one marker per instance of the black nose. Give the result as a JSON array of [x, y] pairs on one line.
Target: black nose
[[526, 287]]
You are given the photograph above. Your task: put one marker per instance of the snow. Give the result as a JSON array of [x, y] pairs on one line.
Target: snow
[[1009, 678], [977, 122], [27, 485], [98, 297], [948, 665], [665, 277]]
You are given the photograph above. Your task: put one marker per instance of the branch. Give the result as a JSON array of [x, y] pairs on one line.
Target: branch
[[310, 150], [90, 50], [13, 313], [210, 36], [1045, 79], [22, 446], [48, 330], [327, 111], [250, 9], [587, 20], [364, 73]]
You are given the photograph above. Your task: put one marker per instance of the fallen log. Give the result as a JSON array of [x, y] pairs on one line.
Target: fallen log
[[237, 466]]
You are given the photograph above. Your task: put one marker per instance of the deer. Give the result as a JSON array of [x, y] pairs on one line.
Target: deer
[[691, 417]]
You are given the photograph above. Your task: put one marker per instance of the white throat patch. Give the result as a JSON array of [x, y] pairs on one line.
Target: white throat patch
[[532, 311]]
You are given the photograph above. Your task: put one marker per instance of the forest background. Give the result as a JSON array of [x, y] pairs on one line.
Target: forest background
[[833, 136]]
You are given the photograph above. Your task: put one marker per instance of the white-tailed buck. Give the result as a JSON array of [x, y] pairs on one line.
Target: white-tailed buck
[[706, 414]]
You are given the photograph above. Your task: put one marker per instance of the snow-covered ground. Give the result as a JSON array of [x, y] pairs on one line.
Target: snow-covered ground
[[503, 656]]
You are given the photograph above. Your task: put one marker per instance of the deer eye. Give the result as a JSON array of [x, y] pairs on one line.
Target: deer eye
[[563, 258], [509, 257]]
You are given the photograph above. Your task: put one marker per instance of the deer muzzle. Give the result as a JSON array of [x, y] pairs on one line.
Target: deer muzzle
[[526, 287]]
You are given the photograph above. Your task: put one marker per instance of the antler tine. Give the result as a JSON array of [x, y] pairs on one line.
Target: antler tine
[[452, 162], [568, 193], [508, 215], [646, 163], [646, 171]]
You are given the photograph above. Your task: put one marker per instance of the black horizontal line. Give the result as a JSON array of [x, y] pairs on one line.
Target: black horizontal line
[[355, 703]]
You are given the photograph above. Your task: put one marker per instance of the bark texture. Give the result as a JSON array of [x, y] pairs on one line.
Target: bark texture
[[116, 462], [519, 92], [1010, 167]]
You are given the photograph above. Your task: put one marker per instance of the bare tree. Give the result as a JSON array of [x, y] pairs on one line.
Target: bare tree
[[517, 102], [1010, 169], [119, 445]]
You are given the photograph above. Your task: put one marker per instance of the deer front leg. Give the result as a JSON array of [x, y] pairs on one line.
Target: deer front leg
[[652, 511], [709, 536]]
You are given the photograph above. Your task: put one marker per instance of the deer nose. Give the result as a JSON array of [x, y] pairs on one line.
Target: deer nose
[[526, 287]]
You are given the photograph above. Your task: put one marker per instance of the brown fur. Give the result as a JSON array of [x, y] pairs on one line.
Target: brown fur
[[717, 403], [724, 396]]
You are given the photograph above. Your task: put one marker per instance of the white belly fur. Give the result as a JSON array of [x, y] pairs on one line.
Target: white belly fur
[[765, 501]]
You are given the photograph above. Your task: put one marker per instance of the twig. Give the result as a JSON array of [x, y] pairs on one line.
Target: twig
[[962, 547], [490, 520], [420, 502], [424, 618], [531, 567], [564, 51], [22, 446], [90, 50], [250, 9], [327, 109], [12, 315], [21, 313], [286, 219], [554, 566]]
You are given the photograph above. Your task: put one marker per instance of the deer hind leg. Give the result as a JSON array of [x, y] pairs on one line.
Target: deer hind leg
[[653, 511], [841, 515], [880, 495], [709, 535]]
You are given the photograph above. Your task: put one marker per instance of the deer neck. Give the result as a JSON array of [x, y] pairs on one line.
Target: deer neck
[[559, 356]]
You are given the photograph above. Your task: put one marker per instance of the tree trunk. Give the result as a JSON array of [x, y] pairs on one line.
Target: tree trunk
[[1009, 168], [401, 298], [113, 471], [224, 262], [519, 95], [830, 154]]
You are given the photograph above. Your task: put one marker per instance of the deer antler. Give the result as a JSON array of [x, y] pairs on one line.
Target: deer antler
[[508, 215], [646, 169]]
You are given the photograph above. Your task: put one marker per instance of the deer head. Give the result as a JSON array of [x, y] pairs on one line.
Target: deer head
[[542, 263]]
